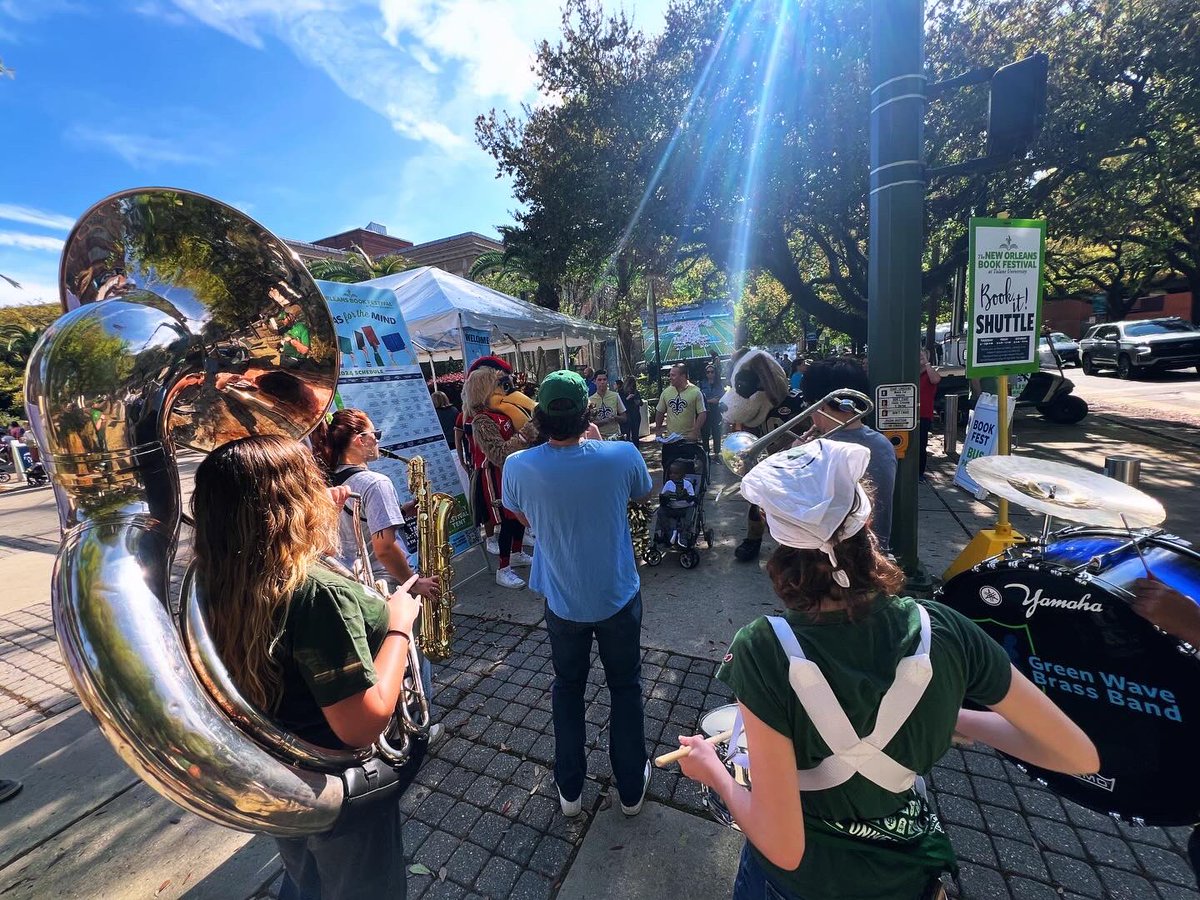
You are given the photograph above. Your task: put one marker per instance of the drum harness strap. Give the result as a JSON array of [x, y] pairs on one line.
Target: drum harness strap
[[851, 753]]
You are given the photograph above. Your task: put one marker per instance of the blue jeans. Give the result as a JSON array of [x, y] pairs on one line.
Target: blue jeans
[[619, 640], [752, 882]]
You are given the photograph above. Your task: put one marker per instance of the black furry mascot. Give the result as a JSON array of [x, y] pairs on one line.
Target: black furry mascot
[[758, 400]]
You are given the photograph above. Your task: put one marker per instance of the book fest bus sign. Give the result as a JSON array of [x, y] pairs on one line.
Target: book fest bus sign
[[1004, 284]]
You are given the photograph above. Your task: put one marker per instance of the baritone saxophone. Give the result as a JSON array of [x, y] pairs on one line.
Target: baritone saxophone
[[434, 511]]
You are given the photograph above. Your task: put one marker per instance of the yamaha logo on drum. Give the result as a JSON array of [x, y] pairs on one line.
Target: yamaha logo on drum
[[1105, 784], [990, 596]]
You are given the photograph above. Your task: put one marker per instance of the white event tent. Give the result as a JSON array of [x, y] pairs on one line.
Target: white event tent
[[437, 305]]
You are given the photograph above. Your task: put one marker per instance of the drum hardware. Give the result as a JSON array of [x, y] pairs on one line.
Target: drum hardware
[[1137, 546], [1098, 562]]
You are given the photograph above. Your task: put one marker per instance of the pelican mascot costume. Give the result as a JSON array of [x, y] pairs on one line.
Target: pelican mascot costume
[[757, 400], [496, 422]]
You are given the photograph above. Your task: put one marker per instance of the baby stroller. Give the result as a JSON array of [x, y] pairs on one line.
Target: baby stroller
[[680, 533]]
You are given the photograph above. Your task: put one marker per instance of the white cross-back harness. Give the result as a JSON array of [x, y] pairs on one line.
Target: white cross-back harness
[[851, 753]]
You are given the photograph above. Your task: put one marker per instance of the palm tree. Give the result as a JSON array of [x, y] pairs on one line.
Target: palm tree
[[17, 342], [357, 266]]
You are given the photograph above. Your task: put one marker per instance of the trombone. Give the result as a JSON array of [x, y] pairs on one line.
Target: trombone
[[741, 451]]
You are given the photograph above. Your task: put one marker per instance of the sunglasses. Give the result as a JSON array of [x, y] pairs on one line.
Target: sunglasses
[[377, 434]]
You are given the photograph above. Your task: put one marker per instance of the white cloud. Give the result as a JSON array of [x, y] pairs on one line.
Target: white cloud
[[28, 216], [36, 287], [428, 66], [25, 241], [152, 9], [142, 150]]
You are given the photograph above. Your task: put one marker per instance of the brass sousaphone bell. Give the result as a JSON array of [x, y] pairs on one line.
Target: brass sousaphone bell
[[186, 324]]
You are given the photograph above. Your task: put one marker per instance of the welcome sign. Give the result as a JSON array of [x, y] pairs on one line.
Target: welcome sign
[[1004, 284]]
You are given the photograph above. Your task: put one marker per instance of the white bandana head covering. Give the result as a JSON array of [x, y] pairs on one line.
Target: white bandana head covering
[[811, 496]]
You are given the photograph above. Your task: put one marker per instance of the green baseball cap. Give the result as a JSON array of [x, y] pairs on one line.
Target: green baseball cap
[[563, 393]]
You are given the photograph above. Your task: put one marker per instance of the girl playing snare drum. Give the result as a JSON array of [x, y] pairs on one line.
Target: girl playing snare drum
[[850, 694]]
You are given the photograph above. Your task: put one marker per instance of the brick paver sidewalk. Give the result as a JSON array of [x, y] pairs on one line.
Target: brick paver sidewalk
[[483, 819]]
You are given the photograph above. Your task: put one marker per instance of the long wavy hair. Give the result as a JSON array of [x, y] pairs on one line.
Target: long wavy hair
[[479, 386], [262, 519], [329, 441]]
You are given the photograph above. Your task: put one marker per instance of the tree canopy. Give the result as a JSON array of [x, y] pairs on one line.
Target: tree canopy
[[739, 135]]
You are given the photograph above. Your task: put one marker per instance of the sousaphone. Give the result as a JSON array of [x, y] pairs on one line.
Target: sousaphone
[[186, 324]]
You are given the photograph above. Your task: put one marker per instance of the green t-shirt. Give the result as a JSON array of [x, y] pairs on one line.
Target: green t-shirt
[[300, 332], [859, 660], [332, 632], [681, 408]]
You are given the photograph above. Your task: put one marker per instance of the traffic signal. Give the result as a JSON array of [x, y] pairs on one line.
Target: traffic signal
[[1017, 106]]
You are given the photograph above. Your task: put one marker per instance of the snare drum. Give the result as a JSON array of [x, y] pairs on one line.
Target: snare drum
[[717, 721], [1063, 616]]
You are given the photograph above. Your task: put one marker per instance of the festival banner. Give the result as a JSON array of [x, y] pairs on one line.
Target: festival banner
[[691, 333], [477, 343], [1004, 295], [380, 375]]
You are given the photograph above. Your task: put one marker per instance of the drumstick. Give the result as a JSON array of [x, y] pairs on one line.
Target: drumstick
[[1137, 547], [675, 755]]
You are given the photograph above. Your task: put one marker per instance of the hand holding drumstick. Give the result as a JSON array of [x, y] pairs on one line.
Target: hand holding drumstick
[[1162, 605]]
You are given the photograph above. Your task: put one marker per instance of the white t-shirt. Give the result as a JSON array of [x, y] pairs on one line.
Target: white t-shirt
[[381, 507], [670, 488]]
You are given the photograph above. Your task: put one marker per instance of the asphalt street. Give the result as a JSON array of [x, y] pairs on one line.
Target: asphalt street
[[1160, 396]]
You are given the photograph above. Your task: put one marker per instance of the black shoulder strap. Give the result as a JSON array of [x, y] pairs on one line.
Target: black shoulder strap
[[340, 478]]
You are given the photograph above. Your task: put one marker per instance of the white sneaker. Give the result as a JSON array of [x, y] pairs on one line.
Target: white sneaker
[[493, 546], [437, 731], [520, 558], [570, 808], [507, 578], [637, 807]]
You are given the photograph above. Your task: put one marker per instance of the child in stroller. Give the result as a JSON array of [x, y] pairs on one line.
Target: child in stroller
[[676, 507], [680, 518]]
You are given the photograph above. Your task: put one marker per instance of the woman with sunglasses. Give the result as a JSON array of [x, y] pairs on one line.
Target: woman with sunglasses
[[344, 447]]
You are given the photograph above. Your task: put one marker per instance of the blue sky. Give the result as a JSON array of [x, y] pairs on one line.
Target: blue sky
[[314, 116]]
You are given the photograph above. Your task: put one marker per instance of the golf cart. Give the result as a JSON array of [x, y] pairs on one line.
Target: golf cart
[[1048, 391]]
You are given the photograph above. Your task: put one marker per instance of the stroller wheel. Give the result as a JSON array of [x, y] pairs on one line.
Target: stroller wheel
[[708, 537], [4, 476], [653, 556], [689, 559]]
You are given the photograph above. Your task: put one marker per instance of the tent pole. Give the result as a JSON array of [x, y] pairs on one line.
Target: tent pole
[[462, 342], [566, 354]]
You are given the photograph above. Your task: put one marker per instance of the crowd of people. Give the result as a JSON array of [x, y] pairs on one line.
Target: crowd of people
[[838, 806]]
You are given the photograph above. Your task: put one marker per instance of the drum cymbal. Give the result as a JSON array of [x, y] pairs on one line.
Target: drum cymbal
[[1065, 492]]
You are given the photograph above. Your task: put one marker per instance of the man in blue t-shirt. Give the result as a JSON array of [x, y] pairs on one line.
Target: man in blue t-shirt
[[574, 493]]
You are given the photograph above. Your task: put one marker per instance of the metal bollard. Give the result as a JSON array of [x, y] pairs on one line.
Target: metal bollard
[[950, 414], [1124, 468]]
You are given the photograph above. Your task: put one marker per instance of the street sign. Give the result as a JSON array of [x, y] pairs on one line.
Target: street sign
[[896, 407], [1004, 295]]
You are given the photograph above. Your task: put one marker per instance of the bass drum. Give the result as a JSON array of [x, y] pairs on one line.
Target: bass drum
[[1063, 616]]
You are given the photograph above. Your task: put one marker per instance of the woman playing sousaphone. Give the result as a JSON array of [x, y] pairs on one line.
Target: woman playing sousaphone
[[850, 694], [314, 651]]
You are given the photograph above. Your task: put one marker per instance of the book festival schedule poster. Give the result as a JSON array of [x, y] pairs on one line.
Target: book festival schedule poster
[[381, 376]]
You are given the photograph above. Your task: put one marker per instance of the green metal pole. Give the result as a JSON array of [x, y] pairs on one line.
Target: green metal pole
[[896, 206]]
